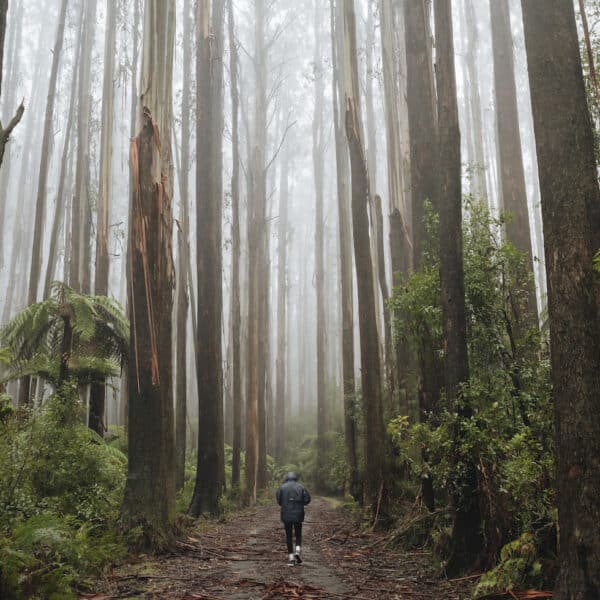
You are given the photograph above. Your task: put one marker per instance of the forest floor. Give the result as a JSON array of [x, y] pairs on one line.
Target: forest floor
[[245, 559]]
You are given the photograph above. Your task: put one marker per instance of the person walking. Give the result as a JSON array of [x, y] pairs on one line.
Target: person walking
[[293, 497]]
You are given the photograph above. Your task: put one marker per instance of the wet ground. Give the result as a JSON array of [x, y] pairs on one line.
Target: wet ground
[[246, 559]]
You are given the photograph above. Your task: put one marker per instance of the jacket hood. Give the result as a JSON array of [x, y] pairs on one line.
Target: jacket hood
[[291, 476]]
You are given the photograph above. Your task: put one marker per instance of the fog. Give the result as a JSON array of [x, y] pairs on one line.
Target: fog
[[298, 61]]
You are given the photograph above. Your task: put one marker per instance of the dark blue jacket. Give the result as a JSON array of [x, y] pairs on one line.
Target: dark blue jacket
[[292, 497]]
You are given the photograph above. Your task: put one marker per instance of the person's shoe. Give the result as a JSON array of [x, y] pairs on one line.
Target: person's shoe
[[291, 560], [298, 559]]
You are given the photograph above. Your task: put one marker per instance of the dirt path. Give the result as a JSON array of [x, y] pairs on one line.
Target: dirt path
[[245, 559]]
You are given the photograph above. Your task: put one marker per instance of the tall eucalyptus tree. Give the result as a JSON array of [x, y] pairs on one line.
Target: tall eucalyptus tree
[[81, 216], [345, 242], [375, 485], [150, 488], [47, 147], [235, 249], [510, 152], [183, 254], [318, 156], [571, 214], [422, 117], [98, 389], [466, 541], [210, 474]]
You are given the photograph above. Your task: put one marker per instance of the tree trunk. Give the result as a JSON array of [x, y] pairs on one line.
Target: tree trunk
[[589, 51], [47, 146], [227, 385], [183, 251], [263, 362], [235, 246], [98, 389], [16, 297], [5, 133], [3, 19], [252, 377], [345, 229], [256, 258], [388, 356], [66, 346], [65, 166], [8, 101], [375, 492], [281, 374], [423, 169], [467, 541], [210, 476], [45, 159], [422, 120], [137, 9], [570, 210], [371, 155], [318, 148], [79, 277], [471, 38], [150, 488], [513, 192], [400, 243]]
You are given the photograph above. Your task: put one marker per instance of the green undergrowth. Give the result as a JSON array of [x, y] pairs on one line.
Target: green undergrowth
[[507, 434], [61, 488], [519, 565]]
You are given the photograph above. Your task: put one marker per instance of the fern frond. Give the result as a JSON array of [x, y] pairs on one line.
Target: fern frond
[[114, 319], [85, 315], [93, 369], [5, 355], [29, 327], [39, 365]]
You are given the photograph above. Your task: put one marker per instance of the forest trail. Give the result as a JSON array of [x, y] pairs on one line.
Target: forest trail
[[245, 559]]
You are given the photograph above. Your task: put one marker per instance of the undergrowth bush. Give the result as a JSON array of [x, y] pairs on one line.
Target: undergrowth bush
[[509, 434], [518, 564], [61, 488]]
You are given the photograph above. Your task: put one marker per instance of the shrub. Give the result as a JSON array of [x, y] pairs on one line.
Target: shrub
[[519, 567], [509, 431], [61, 488], [47, 554]]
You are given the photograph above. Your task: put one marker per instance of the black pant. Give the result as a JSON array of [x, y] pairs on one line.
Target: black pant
[[288, 535]]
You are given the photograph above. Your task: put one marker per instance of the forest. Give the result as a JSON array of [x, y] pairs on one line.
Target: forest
[[350, 245]]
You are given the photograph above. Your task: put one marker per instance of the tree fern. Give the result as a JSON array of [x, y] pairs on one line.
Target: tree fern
[[32, 341]]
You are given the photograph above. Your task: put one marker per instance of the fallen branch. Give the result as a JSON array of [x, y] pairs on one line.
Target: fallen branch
[[466, 578], [407, 526], [140, 576], [338, 540]]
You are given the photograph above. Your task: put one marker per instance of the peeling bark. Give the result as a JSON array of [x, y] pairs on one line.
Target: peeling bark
[[150, 488]]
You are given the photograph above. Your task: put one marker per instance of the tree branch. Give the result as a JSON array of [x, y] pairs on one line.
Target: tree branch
[[290, 125], [5, 133]]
